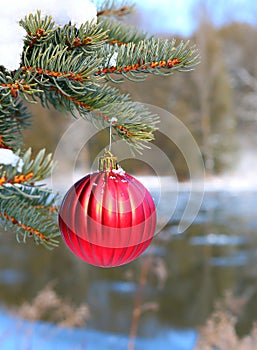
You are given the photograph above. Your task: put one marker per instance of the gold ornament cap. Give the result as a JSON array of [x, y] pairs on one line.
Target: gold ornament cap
[[107, 162]]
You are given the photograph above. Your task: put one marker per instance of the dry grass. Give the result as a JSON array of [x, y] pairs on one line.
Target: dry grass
[[219, 331], [48, 306]]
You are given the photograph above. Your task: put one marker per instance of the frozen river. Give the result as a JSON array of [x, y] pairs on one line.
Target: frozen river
[[187, 273]]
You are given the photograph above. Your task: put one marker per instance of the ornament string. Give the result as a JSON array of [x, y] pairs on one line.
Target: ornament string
[[112, 120]]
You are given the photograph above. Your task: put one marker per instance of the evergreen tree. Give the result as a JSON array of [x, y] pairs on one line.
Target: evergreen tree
[[69, 67]]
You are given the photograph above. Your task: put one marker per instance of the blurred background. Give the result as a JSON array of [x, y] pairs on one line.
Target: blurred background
[[177, 284], [216, 101]]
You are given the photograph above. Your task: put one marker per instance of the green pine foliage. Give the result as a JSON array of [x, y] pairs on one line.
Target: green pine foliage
[[70, 68]]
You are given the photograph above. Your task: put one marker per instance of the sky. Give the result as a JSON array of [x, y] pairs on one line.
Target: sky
[[179, 16]]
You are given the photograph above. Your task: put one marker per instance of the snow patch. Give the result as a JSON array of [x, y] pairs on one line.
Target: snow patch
[[113, 60], [119, 171], [7, 157], [12, 11]]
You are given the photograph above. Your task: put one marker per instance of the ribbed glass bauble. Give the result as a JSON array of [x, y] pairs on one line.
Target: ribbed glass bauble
[[107, 218]]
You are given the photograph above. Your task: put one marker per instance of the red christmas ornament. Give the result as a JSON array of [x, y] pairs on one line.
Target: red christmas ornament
[[107, 218]]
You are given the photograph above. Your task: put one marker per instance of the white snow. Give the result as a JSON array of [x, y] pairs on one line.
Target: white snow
[[7, 157], [113, 60], [12, 11], [113, 120], [119, 171]]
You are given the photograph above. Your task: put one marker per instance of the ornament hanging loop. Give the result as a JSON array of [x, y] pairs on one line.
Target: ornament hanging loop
[[108, 162]]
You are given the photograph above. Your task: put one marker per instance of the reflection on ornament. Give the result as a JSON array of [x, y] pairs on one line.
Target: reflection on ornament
[[107, 218]]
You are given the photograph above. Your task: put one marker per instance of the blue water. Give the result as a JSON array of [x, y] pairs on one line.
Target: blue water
[[17, 334]]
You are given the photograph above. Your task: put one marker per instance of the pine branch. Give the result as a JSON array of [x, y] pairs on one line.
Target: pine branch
[[3, 143], [119, 33], [156, 56], [70, 78], [134, 123], [31, 218], [14, 117], [12, 180], [12, 86], [89, 37], [115, 9], [39, 30], [42, 31], [65, 75], [16, 179], [56, 63], [25, 205], [40, 167], [69, 81]]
